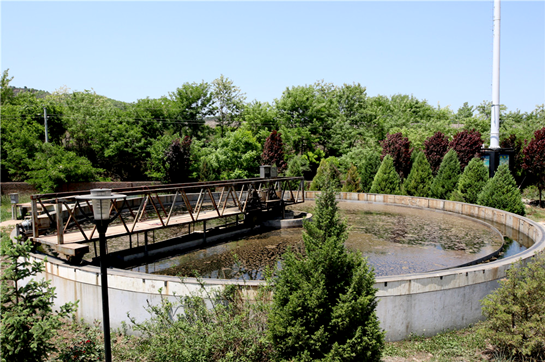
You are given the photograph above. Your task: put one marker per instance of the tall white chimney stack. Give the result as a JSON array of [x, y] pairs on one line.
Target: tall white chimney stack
[[495, 119]]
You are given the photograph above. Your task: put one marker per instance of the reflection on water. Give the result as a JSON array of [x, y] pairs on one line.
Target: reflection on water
[[405, 241]]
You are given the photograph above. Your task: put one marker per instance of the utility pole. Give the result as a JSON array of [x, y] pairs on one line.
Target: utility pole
[[45, 123]]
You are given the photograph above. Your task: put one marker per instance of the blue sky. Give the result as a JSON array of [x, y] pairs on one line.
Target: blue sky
[[435, 50]]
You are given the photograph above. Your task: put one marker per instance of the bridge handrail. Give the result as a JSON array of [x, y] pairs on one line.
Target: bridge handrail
[[63, 202]]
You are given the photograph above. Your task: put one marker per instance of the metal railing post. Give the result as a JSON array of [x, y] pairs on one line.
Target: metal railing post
[[34, 206], [60, 228]]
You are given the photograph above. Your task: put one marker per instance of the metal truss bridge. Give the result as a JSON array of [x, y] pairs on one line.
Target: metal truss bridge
[[64, 223]]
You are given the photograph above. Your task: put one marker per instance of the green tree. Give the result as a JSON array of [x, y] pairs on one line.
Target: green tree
[[228, 101], [447, 177], [234, 156], [368, 169], [192, 103], [297, 167], [515, 312], [260, 119], [156, 166], [352, 181], [305, 116], [324, 303], [53, 165], [28, 322], [386, 180], [328, 174], [471, 182], [418, 182], [501, 192], [6, 92]]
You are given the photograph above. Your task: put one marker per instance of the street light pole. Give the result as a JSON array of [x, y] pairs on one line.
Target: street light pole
[[101, 201], [102, 226]]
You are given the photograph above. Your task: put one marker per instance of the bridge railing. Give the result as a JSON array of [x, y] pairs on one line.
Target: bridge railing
[[167, 205]]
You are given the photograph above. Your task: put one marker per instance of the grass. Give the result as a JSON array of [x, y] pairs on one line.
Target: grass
[[452, 346], [535, 213], [5, 210]]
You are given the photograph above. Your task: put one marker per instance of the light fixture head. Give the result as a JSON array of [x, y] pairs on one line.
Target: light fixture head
[[101, 199]]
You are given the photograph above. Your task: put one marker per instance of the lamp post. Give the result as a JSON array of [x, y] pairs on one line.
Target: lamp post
[[101, 200]]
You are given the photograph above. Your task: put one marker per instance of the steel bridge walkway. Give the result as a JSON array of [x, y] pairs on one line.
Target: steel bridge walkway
[[65, 223]]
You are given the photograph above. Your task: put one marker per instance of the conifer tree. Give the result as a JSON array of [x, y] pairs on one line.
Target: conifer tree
[[28, 321], [324, 304], [501, 192], [327, 173], [386, 180], [447, 177], [471, 182], [368, 170], [418, 182], [352, 181]]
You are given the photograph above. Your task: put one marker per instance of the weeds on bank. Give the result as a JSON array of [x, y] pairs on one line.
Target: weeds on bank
[[5, 210], [462, 345]]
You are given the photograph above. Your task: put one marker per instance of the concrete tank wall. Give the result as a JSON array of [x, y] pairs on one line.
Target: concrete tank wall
[[423, 304]]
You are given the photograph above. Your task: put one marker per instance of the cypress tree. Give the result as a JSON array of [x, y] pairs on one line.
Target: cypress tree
[[386, 180], [447, 177], [501, 192], [368, 170], [418, 182], [471, 182], [327, 173], [324, 304], [352, 181]]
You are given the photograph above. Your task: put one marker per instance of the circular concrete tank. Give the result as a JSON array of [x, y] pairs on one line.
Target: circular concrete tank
[[422, 304]]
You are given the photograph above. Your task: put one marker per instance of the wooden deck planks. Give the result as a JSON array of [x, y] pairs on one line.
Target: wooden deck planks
[[75, 237]]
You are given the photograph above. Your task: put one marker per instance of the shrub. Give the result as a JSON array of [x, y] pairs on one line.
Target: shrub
[[435, 148], [368, 170], [399, 148], [418, 182], [515, 311], [386, 180], [447, 177], [327, 173], [28, 321], [352, 181], [229, 329], [467, 145], [324, 304], [471, 182], [501, 192]]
